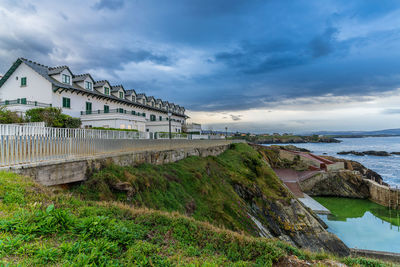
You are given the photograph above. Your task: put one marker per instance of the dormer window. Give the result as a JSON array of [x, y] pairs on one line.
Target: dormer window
[[121, 94], [133, 99], [88, 85], [152, 104], [66, 79], [106, 91]]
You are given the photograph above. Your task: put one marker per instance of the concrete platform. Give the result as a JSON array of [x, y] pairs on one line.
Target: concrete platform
[[313, 205]]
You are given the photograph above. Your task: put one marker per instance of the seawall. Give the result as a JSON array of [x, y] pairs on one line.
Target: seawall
[[383, 195], [146, 151]]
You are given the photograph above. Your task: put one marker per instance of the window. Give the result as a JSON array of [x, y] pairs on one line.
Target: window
[[152, 117], [23, 81], [121, 94], [106, 91], [160, 118], [88, 85], [88, 107], [122, 126], [133, 99], [66, 79], [66, 102], [106, 109], [152, 104]]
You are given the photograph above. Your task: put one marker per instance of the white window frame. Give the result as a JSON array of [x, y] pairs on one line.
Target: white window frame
[[66, 79], [88, 85]]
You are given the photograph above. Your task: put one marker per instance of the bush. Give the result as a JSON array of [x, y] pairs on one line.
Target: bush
[[8, 116], [52, 117]]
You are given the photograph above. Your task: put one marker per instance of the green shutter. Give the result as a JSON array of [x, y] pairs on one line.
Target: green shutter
[[66, 102], [23, 81], [106, 109], [88, 108]]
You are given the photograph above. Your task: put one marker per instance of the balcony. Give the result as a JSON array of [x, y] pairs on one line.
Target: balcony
[[24, 102], [113, 111], [21, 105]]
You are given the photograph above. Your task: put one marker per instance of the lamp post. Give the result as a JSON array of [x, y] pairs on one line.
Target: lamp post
[[226, 133], [169, 124]]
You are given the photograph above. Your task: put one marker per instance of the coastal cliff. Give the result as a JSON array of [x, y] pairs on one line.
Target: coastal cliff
[[236, 190]]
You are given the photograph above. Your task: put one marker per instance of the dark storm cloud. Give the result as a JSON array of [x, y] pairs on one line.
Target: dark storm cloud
[[217, 55]]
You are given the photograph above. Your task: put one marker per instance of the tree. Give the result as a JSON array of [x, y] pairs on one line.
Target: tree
[[8, 116]]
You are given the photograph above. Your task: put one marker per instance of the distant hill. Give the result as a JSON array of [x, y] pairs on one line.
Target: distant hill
[[387, 132]]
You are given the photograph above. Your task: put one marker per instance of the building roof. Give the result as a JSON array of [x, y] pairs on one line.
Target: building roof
[[81, 77], [140, 96], [56, 70], [149, 98], [46, 73], [130, 92], [101, 83], [116, 88]]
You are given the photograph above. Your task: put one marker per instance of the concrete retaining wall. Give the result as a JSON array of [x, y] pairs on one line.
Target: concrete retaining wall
[[74, 170], [383, 195]]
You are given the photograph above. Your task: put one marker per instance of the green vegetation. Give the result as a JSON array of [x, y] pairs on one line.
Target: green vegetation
[[200, 187], [52, 227], [344, 208], [52, 117], [114, 129], [8, 116], [43, 227]]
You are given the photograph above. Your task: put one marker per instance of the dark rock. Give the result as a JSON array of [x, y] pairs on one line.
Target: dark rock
[[352, 152], [290, 222], [377, 153], [395, 153], [336, 184]]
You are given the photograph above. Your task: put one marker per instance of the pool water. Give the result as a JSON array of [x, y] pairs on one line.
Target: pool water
[[362, 224]]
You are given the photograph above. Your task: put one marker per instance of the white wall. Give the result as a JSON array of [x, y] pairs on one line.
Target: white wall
[[37, 87]]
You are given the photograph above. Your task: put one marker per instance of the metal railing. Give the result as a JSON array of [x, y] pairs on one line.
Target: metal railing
[[113, 111], [32, 144], [23, 101], [163, 135]]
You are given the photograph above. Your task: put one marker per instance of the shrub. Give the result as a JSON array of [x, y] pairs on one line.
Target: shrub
[[8, 116], [52, 117]]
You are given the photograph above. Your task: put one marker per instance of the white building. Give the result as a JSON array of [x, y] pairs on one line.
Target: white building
[[29, 84]]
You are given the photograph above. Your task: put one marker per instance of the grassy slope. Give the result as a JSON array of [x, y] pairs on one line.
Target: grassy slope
[[47, 226], [43, 227], [200, 187]]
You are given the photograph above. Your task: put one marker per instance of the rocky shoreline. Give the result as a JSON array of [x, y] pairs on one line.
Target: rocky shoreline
[[295, 140], [368, 153]]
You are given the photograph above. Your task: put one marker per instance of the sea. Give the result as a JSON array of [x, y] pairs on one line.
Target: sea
[[387, 167]]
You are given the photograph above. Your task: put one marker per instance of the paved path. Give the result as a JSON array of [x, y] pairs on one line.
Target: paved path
[[313, 205]]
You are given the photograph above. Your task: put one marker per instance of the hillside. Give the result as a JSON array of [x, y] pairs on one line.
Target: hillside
[[49, 226], [236, 190]]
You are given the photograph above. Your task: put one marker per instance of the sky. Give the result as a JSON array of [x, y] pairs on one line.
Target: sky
[[249, 65]]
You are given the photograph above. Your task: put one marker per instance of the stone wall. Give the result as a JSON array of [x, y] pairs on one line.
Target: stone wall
[[288, 155], [383, 195], [74, 170]]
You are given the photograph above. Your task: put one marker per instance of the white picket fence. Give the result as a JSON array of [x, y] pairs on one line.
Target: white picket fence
[[21, 144]]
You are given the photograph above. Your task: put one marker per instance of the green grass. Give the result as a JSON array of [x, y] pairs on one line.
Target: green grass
[[201, 187], [51, 227]]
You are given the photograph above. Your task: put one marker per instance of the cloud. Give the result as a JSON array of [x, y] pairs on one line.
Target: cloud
[[210, 55], [391, 111], [235, 118], [109, 4]]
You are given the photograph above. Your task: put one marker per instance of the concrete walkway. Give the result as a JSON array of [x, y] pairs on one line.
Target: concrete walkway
[[313, 205]]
